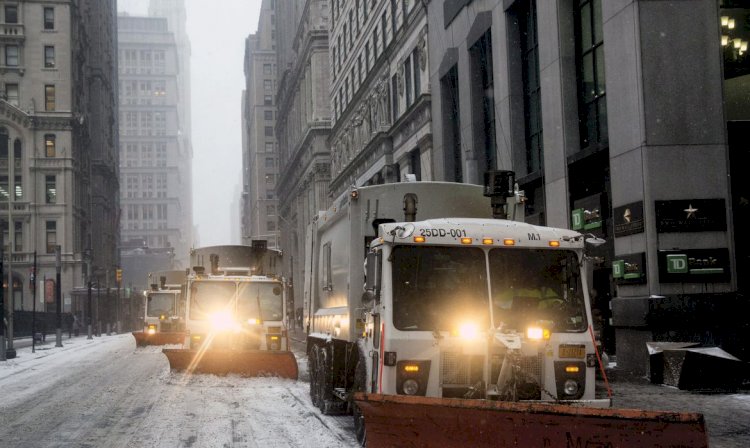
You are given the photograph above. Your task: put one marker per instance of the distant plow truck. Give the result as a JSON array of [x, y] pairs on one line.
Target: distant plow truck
[[164, 310], [434, 325], [235, 315]]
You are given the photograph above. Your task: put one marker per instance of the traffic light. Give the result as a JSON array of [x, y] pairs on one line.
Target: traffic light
[[118, 276]]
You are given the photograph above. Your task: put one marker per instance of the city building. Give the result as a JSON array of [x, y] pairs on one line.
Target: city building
[[379, 92], [156, 154], [260, 162], [620, 120], [58, 147], [303, 123]]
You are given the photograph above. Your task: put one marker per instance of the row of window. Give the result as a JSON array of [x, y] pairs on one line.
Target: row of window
[[12, 96], [50, 228], [146, 212], [12, 56], [10, 16], [591, 89]]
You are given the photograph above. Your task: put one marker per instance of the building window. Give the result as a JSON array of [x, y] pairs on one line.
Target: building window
[[50, 188], [49, 98], [483, 100], [394, 97], [267, 69], [383, 25], [269, 147], [393, 17], [267, 84], [49, 18], [18, 187], [268, 114], [51, 236], [532, 103], [267, 100], [18, 236], [4, 142], [269, 162], [270, 210], [11, 94], [268, 131], [407, 82], [415, 162], [451, 125], [11, 14], [49, 56], [417, 77], [4, 189], [592, 106], [11, 55], [49, 145]]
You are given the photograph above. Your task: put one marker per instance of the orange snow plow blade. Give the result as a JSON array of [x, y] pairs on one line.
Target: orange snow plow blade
[[143, 339], [224, 362], [432, 422]]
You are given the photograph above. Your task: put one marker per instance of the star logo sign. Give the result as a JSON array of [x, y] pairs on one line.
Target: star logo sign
[[690, 211], [626, 215]]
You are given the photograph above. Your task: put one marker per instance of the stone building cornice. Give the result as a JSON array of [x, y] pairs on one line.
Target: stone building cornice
[[34, 122]]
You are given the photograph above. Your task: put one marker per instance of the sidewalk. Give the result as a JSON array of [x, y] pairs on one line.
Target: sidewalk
[[727, 415]]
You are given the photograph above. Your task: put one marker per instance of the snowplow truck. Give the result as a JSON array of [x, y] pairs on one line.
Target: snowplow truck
[[164, 310], [235, 315], [419, 305]]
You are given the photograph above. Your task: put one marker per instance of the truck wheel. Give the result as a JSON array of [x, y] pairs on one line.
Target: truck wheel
[[324, 389], [360, 382], [312, 369]]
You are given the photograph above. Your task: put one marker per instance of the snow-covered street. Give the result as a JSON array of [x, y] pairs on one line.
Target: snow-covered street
[[107, 392]]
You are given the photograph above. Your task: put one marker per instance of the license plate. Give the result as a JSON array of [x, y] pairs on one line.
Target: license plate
[[572, 351]]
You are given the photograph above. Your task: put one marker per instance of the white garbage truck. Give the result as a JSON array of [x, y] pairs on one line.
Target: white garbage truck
[[414, 289]]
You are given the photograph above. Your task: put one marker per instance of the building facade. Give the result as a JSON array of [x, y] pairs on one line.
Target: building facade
[[303, 124], [616, 118], [155, 162], [380, 93], [58, 146], [260, 162]]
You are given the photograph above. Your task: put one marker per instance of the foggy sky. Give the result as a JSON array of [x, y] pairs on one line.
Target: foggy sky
[[217, 31]]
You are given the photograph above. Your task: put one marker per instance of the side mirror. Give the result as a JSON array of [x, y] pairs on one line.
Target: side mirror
[[368, 298]]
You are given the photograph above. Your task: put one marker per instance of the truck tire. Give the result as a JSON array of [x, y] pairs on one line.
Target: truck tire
[[312, 369], [324, 383], [360, 384]]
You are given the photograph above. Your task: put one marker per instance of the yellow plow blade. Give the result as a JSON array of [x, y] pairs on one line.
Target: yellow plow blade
[[433, 422], [143, 339], [239, 362]]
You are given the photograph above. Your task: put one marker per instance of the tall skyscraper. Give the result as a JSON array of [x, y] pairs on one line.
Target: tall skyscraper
[[154, 140], [260, 165]]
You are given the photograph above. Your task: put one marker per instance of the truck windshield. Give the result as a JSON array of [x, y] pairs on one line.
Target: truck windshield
[[160, 304], [208, 297], [537, 287], [268, 295], [439, 288]]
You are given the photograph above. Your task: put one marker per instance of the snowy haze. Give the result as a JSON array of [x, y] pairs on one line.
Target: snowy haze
[[217, 32]]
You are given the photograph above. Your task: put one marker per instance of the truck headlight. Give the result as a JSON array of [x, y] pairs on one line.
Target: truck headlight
[[571, 387], [151, 329], [410, 387], [537, 333], [223, 321], [468, 331]]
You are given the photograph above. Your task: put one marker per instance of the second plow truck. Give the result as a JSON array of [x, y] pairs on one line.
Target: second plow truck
[[436, 326], [235, 314], [164, 311]]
